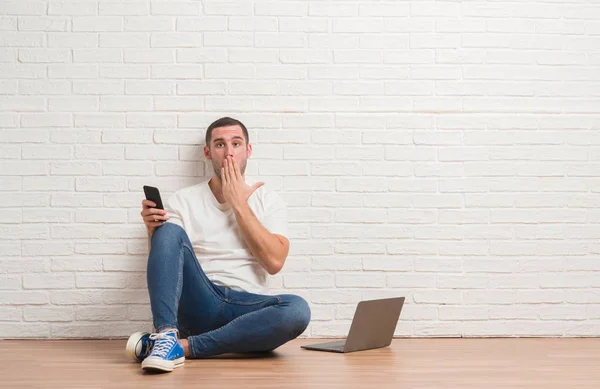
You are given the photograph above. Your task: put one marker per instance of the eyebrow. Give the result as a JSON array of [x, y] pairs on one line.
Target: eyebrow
[[223, 139]]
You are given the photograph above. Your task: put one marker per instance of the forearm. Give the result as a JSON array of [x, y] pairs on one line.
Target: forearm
[[266, 247]]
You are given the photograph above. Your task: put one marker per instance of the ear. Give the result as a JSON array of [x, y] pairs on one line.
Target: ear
[[249, 150], [207, 153]]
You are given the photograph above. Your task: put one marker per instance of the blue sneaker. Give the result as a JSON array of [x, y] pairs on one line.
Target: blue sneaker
[[139, 346], [167, 354]]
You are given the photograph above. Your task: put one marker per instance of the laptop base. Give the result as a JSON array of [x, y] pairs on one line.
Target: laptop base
[[335, 347]]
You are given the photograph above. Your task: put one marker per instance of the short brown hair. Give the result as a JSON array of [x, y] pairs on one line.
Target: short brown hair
[[225, 122]]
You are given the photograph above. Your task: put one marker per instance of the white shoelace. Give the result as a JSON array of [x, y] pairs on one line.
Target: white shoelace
[[163, 343]]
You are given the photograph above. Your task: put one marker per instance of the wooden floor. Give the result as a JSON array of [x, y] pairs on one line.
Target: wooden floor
[[407, 363]]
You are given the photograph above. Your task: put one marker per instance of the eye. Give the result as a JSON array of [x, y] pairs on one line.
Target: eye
[[236, 144], [219, 145]]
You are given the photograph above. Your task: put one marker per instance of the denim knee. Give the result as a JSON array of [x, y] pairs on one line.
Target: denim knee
[[299, 313], [168, 230]]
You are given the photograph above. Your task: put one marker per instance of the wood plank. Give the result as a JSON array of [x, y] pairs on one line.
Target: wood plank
[[408, 363]]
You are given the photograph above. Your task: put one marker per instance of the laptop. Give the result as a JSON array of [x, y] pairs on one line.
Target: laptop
[[372, 327]]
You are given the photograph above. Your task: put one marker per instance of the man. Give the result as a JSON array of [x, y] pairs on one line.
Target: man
[[208, 265]]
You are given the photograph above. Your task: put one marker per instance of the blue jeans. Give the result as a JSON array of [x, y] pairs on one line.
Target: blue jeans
[[214, 319]]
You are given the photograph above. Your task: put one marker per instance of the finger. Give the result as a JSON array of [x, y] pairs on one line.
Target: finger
[[155, 218], [225, 170], [228, 170], [153, 211], [223, 177], [158, 220], [236, 169], [231, 173], [148, 204]]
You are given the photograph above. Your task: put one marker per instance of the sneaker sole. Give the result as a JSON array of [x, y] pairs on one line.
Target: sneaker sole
[[131, 345], [159, 364]]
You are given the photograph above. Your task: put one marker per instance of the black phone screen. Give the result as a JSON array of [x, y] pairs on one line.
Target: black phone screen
[[153, 194]]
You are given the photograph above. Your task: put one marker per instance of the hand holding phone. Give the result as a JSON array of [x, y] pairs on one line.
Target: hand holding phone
[[153, 212]]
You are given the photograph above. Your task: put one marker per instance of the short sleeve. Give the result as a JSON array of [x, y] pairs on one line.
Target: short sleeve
[[275, 215], [173, 209]]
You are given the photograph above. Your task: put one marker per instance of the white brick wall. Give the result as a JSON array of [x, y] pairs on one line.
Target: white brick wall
[[446, 151]]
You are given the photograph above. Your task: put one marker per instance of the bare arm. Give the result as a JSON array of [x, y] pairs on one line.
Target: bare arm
[[269, 249], [150, 240]]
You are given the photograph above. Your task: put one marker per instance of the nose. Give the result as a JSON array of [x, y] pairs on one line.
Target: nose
[[228, 151]]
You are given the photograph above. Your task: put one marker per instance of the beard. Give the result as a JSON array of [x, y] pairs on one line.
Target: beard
[[217, 168]]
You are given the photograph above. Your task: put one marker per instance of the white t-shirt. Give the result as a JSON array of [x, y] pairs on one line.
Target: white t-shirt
[[216, 237]]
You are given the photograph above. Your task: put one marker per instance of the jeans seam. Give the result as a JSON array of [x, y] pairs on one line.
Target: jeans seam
[[204, 278], [246, 303], [178, 287]]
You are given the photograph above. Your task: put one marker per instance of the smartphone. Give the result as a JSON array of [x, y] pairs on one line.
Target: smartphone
[[153, 194]]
